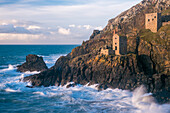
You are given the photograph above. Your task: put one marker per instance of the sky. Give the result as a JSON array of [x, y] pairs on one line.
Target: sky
[[56, 21]]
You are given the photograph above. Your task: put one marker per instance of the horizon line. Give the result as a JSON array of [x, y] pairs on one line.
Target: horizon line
[[40, 44]]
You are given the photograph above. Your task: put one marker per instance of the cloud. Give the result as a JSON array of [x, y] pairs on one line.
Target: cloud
[[79, 26], [91, 12], [33, 27], [72, 25], [23, 37], [87, 26], [9, 28], [64, 31], [39, 18], [98, 28]]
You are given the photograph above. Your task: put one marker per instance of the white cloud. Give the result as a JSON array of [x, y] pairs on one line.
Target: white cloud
[[87, 26], [64, 31], [23, 37], [43, 19], [72, 25], [9, 28], [4, 23], [98, 28], [79, 26], [33, 27]]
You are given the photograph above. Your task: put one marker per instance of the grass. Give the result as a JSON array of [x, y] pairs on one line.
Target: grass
[[165, 12], [151, 37]]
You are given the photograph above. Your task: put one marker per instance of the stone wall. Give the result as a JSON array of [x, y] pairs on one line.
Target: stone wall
[[120, 44], [106, 52], [153, 21], [166, 23], [116, 44], [123, 45]]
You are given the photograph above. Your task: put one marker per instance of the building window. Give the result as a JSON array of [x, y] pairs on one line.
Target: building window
[[152, 19], [154, 16], [115, 47], [148, 20], [115, 43], [115, 37]]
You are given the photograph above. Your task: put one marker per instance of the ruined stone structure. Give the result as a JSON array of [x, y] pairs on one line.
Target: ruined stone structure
[[107, 51], [166, 20], [119, 44], [165, 23], [153, 21]]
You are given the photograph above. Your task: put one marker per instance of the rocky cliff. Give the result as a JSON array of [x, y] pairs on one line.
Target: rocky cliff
[[147, 61]]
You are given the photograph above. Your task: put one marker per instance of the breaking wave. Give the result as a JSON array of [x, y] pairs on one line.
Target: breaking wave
[[74, 99]]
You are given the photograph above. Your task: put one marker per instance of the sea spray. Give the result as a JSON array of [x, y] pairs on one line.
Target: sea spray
[[16, 97], [146, 103], [81, 98], [10, 67]]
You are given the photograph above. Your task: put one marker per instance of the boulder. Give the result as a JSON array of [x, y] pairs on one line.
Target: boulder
[[33, 63]]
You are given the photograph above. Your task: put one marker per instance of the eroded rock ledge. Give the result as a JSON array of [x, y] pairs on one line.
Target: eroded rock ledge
[[124, 72]]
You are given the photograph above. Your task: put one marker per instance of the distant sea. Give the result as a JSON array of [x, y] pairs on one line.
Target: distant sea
[[16, 98]]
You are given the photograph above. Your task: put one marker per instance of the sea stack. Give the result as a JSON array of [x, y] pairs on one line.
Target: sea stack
[[33, 63]]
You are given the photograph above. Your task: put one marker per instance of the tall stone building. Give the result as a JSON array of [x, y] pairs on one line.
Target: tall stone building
[[153, 21], [119, 44]]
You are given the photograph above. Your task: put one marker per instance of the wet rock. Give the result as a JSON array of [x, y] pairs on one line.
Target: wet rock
[[33, 63], [147, 61]]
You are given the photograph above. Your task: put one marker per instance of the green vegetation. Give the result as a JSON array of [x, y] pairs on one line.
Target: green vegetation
[[164, 12], [151, 37], [147, 35]]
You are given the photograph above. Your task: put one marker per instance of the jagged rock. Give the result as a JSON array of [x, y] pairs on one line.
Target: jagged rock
[[33, 63], [147, 61], [95, 32], [134, 18]]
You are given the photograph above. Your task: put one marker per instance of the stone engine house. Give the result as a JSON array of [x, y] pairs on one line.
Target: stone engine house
[[153, 21], [119, 46]]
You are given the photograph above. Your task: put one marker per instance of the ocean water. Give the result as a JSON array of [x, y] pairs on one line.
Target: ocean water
[[16, 98]]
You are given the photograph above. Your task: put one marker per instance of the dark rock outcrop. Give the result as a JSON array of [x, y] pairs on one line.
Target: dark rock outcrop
[[33, 63], [147, 61], [95, 33]]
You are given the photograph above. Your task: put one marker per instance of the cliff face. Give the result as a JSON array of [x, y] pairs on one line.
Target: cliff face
[[147, 61], [134, 18]]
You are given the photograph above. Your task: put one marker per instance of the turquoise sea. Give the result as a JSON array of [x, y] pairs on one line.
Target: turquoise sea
[[16, 98]]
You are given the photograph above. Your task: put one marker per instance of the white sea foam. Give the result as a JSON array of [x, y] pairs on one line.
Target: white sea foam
[[89, 99], [32, 73], [10, 67], [40, 93], [115, 100], [146, 103], [82, 98], [11, 90]]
